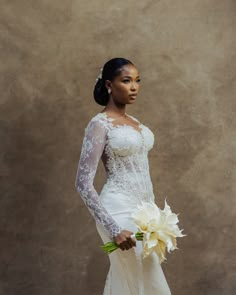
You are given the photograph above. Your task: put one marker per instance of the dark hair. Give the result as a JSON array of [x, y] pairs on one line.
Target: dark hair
[[111, 69]]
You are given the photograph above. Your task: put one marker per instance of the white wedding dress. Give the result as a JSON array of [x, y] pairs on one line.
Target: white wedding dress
[[124, 152]]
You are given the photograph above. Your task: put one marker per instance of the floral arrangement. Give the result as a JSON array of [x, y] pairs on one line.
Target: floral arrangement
[[158, 230]]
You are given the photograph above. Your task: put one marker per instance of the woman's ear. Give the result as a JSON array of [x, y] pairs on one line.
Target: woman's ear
[[108, 84]]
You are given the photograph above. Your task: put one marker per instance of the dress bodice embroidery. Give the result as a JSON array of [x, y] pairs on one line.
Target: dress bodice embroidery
[[124, 153]]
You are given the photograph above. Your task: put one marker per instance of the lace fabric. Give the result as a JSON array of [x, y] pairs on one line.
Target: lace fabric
[[124, 152]]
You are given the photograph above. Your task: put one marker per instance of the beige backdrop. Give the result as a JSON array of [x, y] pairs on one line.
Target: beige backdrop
[[51, 53]]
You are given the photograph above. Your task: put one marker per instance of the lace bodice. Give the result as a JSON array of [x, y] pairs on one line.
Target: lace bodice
[[124, 152]]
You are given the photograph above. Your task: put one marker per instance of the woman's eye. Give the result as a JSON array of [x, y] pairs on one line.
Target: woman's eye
[[127, 80]]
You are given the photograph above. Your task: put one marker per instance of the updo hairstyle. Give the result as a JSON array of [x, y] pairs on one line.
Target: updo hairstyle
[[111, 69]]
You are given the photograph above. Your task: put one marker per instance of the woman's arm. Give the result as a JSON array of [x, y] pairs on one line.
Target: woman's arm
[[92, 149]]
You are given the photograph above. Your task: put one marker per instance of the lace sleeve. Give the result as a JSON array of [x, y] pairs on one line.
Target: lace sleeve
[[92, 149]]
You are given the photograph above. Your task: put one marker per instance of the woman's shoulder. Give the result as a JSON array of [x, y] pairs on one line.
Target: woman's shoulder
[[97, 121], [98, 118]]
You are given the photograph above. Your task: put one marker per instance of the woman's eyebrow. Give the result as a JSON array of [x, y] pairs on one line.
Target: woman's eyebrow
[[129, 77]]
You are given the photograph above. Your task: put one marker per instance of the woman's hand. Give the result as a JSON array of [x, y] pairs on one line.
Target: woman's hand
[[124, 241]]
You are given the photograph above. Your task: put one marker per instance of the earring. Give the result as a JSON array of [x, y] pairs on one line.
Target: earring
[[109, 90]]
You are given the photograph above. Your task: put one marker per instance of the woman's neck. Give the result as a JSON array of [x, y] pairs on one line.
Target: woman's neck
[[112, 108]]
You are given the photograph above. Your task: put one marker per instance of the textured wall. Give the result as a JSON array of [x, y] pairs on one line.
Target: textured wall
[[51, 53]]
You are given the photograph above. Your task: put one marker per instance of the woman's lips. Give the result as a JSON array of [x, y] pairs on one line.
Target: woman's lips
[[133, 95]]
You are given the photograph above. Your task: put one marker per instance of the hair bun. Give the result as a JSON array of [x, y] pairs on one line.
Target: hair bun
[[100, 93]]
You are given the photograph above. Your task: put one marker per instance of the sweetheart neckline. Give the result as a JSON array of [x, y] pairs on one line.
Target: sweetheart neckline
[[140, 125]]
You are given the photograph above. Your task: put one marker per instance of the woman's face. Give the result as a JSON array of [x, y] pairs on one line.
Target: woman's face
[[125, 86]]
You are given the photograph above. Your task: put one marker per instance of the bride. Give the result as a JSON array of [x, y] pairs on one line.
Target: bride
[[122, 142]]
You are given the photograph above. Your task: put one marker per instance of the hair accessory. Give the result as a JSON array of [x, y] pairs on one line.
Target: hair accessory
[[99, 75]]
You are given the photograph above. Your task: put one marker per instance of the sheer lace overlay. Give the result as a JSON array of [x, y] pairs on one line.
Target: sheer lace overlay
[[124, 152]]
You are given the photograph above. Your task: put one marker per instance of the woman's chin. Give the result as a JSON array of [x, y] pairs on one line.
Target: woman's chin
[[132, 99]]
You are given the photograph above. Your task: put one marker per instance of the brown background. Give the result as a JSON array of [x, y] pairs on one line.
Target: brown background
[[51, 53]]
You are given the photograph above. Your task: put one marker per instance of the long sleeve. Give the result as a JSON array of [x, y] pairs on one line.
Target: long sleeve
[[92, 149]]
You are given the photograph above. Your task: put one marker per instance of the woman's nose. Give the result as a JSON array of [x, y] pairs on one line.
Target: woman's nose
[[133, 86]]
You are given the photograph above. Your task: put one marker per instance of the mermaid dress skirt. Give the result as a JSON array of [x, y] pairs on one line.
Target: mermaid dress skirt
[[124, 152]]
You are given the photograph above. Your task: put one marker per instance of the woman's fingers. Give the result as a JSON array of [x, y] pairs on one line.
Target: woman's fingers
[[122, 247], [125, 241], [129, 243], [125, 246], [133, 242]]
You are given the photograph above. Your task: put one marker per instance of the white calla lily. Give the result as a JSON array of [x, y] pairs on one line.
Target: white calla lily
[[159, 227]]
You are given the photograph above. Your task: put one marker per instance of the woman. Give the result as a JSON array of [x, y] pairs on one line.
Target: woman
[[123, 143]]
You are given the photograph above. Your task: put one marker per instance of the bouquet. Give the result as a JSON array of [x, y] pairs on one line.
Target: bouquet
[[158, 230]]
